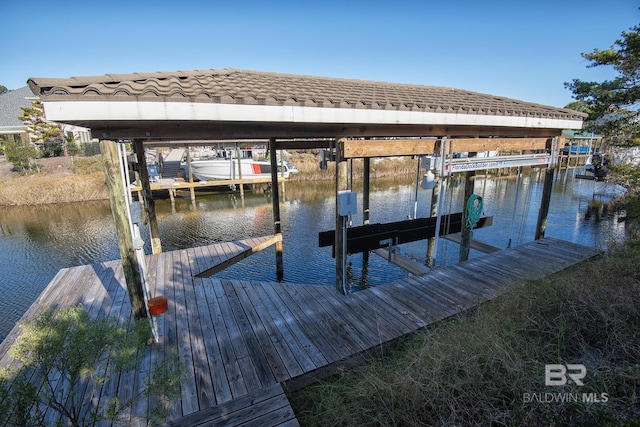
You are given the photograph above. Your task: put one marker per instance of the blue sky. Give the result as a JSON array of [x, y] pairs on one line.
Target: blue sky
[[522, 50]]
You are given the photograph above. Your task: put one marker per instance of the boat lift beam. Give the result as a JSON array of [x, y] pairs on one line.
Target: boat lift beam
[[483, 163], [375, 236]]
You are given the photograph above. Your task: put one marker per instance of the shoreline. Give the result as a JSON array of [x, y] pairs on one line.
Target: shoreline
[[80, 179]]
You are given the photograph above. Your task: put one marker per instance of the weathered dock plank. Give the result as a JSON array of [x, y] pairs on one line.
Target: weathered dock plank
[[169, 339], [329, 326], [263, 408], [295, 359], [221, 383], [307, 324], [402, 304], [239, 339], [249, 374], [413, 304], [307, 355], [277, 357], [230, 366], [398, 322], [359, 333], [201, 363], [252, 343], [180, 281]]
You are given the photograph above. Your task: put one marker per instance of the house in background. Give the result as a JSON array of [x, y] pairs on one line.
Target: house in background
[[11, 103], [11, 127]]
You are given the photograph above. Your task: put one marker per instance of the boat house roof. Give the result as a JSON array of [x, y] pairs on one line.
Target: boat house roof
[[230, 103]]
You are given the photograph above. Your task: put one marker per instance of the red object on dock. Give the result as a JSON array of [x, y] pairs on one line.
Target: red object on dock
[[158, 305]]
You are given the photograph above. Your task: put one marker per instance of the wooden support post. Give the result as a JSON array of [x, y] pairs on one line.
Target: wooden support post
[[115, 187], [342, 183], [445, 146], [240, 171], [190, 172], [430, 259], [366, 189], [431, 244], [147, 197], [283, 194], [275, 200], [543, 213]]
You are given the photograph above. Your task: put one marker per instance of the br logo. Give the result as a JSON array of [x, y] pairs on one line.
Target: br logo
[[558, 375]]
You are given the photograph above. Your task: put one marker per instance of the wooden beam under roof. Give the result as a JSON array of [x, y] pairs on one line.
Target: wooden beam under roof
[[359, 148], [468, 145], [387, 147], [413, 147], [286, 144], [173, 131]]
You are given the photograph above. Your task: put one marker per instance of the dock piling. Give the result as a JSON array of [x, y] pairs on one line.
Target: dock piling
[[275, 200], [543, 213], [341, 225], [111, 164], [147, 197]]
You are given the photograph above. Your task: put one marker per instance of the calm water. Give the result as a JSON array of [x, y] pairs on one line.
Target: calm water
[[36, 242]]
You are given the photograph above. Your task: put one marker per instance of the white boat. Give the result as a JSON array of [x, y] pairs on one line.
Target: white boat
[[227, 168]]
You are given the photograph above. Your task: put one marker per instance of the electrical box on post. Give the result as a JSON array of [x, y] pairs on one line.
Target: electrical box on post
[[347, 203], [430, 162]]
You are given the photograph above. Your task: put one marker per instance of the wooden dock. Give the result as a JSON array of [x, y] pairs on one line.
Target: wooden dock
[[241, 340], [181, 184]]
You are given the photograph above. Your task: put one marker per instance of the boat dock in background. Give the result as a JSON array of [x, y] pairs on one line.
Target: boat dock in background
[[244, 343], [169, 175]]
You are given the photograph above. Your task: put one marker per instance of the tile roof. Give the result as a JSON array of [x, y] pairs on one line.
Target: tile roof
[[231, 86], [10, 103]]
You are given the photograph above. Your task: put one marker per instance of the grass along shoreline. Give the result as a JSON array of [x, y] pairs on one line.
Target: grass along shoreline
[[60, 180], [67, 180], [487, 366]]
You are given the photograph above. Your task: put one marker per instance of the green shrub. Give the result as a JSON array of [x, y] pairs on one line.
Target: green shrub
[[68, 356], [86, 165], [20, 153]]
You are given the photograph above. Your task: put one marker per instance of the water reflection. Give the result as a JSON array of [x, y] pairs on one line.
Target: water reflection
[[36, 242]]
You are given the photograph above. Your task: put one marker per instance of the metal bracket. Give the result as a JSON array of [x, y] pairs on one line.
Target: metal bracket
[[391, 245]]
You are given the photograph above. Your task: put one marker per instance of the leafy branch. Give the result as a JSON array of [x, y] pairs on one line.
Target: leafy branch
[[67, 356]]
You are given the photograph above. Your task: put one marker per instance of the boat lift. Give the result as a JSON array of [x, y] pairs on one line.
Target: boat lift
[[375, 236]]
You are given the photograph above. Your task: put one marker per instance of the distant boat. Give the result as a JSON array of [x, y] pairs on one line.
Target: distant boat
[[227, 168], [575, 149]]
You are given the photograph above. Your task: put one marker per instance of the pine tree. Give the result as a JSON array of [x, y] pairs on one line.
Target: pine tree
[[46, 136], [613, 105]]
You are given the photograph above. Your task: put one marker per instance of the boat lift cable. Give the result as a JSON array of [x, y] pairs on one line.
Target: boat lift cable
[[415, 202], [515, 204], [447, 224], [525, 212], [441, 194]]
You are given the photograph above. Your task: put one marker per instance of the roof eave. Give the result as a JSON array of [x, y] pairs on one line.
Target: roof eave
[[113, 111]]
